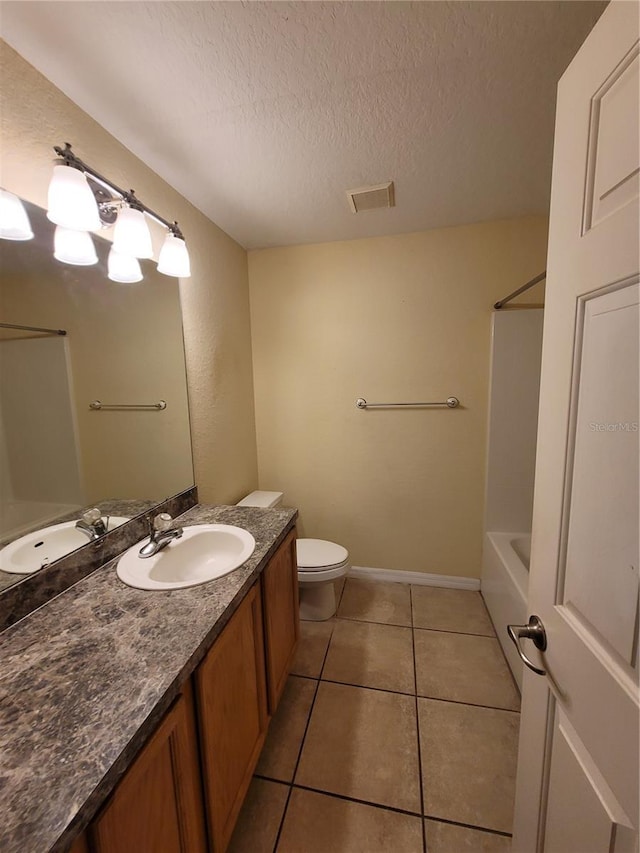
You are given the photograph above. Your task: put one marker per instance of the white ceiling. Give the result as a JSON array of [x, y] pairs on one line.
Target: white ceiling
[[263, 114]]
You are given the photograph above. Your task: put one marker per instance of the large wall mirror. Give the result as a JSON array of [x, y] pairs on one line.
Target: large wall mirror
[[124, 348]]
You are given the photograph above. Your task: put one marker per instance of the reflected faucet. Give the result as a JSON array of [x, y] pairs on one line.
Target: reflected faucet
[[161, 534], [92, 524]]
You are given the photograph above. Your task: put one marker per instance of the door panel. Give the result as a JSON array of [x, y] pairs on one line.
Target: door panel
[[613, 156], [577, 786], [601, 580], [583, 811]]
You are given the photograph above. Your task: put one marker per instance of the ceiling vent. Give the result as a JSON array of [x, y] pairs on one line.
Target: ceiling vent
[[371, 198]]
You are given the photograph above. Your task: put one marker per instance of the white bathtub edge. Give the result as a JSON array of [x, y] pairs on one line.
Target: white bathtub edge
[[504, 587], [515, 568]]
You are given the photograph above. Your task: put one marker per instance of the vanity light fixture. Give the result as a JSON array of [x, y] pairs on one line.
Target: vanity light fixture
[[70, 200], [132, 238], [123, 268], [174, 257], [74, 247], [14, 222]]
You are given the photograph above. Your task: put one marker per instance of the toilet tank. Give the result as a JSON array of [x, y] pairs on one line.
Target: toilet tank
[[262, 499]]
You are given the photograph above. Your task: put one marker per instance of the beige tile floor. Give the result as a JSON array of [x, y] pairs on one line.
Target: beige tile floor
[[397, 732]]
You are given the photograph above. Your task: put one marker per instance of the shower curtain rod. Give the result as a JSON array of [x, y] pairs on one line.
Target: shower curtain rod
[[520, 290], [32, 329]]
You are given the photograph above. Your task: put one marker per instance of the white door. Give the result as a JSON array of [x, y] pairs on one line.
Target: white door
[[577, 787]]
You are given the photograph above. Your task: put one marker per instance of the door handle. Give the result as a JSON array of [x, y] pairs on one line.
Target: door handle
[[533, 631]]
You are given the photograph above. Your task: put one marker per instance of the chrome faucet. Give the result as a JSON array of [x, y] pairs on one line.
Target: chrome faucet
[[92, 524], [161, 534]]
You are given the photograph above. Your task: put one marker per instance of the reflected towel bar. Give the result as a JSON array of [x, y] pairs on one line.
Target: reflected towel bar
[[450, 403], [33, 329], [97, 405]]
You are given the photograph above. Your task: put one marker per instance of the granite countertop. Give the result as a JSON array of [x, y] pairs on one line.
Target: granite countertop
[[85, 680]]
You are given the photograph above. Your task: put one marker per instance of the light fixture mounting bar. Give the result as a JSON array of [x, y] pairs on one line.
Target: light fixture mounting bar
[[70, 159]]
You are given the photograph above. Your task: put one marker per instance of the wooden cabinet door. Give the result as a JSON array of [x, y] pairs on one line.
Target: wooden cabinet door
[[281, 616], [158, 804], [232, 710], [80, 845]]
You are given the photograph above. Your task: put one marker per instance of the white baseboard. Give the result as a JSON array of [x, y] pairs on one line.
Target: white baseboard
[[419, 578]]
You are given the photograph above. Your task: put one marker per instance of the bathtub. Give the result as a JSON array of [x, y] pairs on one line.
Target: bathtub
[[504, 585]]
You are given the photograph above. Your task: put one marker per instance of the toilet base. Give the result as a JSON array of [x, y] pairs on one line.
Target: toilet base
[[317, 601]]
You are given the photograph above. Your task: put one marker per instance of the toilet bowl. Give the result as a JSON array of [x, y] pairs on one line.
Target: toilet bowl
[[320, 564]]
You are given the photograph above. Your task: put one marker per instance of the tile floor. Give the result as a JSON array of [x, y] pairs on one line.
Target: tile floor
[[397, 732]]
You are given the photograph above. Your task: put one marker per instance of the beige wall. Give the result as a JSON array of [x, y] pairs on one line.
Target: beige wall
[[35, 115], [396, 318]]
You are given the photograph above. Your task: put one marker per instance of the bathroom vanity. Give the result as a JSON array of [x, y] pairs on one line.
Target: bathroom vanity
[[133, 720]]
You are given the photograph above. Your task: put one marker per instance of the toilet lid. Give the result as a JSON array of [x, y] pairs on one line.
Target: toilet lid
[[318, 553]]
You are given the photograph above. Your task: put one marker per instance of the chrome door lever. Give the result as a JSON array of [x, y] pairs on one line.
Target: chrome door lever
[[533, 631]]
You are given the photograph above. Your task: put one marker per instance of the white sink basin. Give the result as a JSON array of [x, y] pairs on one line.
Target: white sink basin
[[38, 549], [203, 553]]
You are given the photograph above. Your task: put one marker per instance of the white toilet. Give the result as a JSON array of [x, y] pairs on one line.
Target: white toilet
[[320, 564]]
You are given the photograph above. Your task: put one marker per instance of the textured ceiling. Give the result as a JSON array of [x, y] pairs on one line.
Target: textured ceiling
[[263, 114]]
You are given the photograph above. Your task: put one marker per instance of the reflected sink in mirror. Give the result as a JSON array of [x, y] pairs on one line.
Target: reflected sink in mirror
[[204, 552], [41, 547]]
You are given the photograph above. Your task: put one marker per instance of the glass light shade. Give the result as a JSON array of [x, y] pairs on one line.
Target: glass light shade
[[123, 268], [14, 222], [71, 203], [131, 235], [174, 257], [74, 247]]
